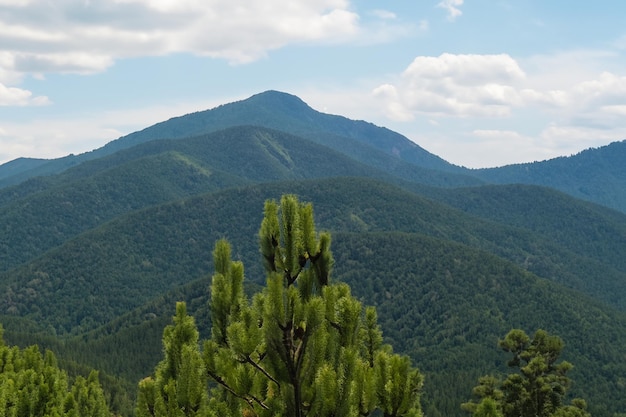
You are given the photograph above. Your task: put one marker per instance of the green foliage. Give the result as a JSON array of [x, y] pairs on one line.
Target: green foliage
[[445, 305], [32, 384], [537, 390], [583, 235], [179, 386], [442, 303], [302, 346]]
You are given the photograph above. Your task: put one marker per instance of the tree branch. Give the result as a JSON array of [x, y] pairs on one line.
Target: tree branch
[[249, 399], [263, 371]]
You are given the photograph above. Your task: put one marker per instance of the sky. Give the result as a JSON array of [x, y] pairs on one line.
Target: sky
[[480, 83]]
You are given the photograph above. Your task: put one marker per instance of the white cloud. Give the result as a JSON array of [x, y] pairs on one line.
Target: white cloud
[[619, 110], [87, 36], [607, 89], [18, 3], [452, 7], [491, 110], [72, 36], [455, 85], [11, 96], [569, 139], [494, 86]]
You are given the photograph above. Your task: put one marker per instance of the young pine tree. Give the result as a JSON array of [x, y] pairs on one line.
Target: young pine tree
[[32, 384], [538, 388], [303, 346]]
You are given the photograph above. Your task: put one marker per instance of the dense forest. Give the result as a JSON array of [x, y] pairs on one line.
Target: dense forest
[[99, 253]]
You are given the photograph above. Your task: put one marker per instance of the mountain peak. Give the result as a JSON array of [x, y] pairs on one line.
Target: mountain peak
[[278, 101], [288, 113], [273, 96]]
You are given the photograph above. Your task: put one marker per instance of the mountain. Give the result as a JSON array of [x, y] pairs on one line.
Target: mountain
[[44, 212], [286, 112], [94, 255], [593, 235], [597, 175], [150, 250], [375, 146], [19, 166], [442, 302]]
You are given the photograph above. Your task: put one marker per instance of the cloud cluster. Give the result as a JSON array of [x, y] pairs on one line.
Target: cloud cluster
[[586, 110], [84, 36], [455, 85], [88, 36], [493, 86]]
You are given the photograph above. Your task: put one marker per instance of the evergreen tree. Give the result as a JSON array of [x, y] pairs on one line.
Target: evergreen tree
[[32, 384], [303, 346], [179, 387], [538, 388]]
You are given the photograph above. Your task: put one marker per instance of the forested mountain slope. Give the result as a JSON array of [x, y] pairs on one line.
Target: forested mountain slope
[[92, 259], [444, 304], [593, 234], [597, 175], [43, 213], [116, 267], [289, 113], [378, 147]]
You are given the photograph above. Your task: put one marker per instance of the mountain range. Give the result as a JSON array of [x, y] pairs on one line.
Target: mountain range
[[97, 247]]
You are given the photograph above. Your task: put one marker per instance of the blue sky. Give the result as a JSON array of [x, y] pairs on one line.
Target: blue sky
[[479, 83]]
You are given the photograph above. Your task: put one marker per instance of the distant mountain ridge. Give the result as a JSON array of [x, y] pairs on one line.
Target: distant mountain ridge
[[286, 112], [597, 175], [271, 109]]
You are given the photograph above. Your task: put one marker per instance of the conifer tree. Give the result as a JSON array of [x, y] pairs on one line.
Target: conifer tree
[[32, 384], [538, 388], [179, 387], [303, 346]]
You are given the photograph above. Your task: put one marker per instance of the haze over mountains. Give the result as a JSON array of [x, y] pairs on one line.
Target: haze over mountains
[[96, 248]]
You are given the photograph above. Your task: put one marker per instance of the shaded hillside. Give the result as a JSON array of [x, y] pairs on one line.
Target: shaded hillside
[[592, 233], [108, 271], [19, 166], [597, 175], [31, 168], [51, 216], [444, 304], [43, 213]]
